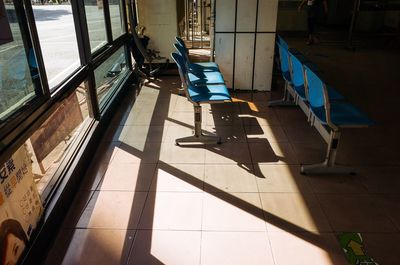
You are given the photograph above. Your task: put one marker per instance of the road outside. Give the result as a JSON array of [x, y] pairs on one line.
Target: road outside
[[59, 47]]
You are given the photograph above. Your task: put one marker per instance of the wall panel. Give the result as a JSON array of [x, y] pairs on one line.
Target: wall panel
[[264, 61], [224, 55], [244, 61], [225, 20], [267, 15], [246, 15], [250, 41]]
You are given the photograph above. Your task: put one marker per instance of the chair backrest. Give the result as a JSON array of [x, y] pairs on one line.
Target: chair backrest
[[284, 58], [180, 62], [139, 46], [182, 43], [297, 70], [316, 95], [183, 53], [282, 42]]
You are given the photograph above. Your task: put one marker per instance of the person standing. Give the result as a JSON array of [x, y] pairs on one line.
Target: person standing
[[312, 14]]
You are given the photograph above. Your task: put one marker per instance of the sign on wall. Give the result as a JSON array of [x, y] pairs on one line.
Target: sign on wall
[[6, 34], [20, 205]]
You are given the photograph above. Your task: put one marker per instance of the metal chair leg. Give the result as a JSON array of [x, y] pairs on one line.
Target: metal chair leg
[[285, 101], [328, 166], [199, 137]]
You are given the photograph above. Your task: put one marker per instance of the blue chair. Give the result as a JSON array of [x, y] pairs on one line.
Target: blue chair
[[286, 74], [197, 95], [199, 77], [285, 45], [203, 66], [298, 81], [282, 42], [329, 117]]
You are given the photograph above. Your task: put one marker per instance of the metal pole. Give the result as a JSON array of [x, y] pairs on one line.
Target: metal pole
[[82, 33], [254, 52], [192, 4], [201, 23], [30, 23], [186, 20], [212, 29]]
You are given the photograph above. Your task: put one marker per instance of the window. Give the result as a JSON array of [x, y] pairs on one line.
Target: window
[[117, 23], [96, 23], [49, 144], [56, 29], [52, 129], [109, 73], [18, 69]]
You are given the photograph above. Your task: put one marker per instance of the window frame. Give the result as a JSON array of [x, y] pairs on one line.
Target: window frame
[[23, 12], [18, 127]]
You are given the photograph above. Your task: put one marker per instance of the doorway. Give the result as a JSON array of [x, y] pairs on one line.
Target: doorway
[[195, 25]]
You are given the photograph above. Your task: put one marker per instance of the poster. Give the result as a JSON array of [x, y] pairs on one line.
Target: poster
[[20, 205], [353, 247], [5, 30]]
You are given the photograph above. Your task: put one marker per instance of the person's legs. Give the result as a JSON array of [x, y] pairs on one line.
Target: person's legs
[[311, 24]]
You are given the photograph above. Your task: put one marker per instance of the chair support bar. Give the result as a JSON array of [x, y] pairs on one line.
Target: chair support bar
[[285, 101], [199, 137], [328, 166]]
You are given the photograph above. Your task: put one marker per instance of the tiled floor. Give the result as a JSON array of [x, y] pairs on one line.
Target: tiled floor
[[147, 201]]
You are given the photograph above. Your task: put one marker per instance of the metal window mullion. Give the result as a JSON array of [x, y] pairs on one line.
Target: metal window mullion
[[254, 51], [93, 100], [124, 15], [107, 19], [129, 15], [192, 14], [213, 19], [134, 14], [82, 35], [36, 47], [201, 23], [186, 20], [81, 30], [234, 46], [128, 57]]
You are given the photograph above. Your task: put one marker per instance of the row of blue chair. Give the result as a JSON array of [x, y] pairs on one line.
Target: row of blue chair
[[327, 110], [202, 83]]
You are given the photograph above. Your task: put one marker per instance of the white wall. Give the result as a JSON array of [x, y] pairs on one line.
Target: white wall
[[235, 44], [160, 19], [224, 55]]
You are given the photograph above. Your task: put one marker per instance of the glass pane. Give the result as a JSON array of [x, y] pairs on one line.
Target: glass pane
[[96, 23], [116, 19], [56, 29], [109, 73], [49, 144], [17, 75]]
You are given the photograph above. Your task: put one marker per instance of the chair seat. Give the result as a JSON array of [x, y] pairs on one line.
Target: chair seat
[[206, 78], [333, 94], [208, 93], [195, 68], [343, 114], [211, 65]]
